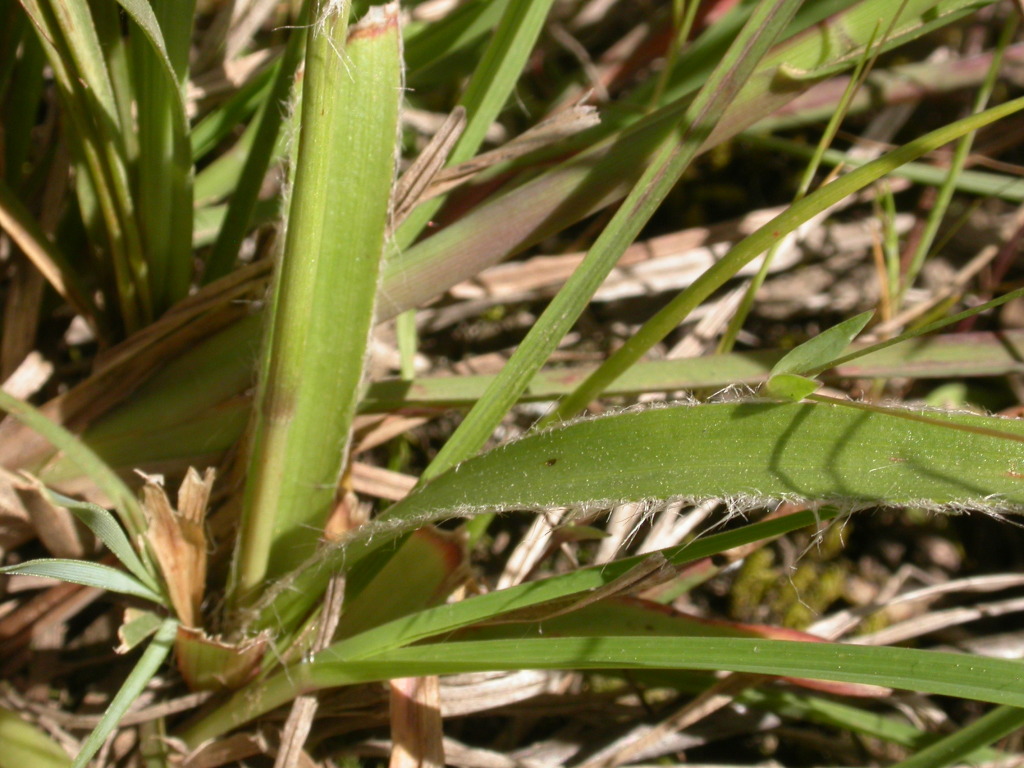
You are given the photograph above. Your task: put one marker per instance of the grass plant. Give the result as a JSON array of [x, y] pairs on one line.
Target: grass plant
[[233, 236]]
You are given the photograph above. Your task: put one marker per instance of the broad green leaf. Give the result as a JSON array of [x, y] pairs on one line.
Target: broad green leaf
[[311, 374], [816, 353], [25, 744], [86, 573], [752, 450], [198, 423], [149, 664], [790, 387], [107, 529]]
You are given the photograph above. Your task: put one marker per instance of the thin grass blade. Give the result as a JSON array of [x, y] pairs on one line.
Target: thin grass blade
[[486, 94], [967, 740], [163, 178], [675, 155], [86, 573], [106, 528], [921, 331], [659, 326], [149, 664], [607, 170], [246, 192], [89, 463], [960, 152], [984, 679], [453, 616], [98, 134]]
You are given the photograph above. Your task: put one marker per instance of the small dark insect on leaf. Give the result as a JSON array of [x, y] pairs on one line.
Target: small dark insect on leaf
[[550, 462]]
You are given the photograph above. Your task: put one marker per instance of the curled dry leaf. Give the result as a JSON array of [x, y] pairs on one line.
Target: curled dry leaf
[[178, 540], [214, 664], [553, 130], [426, 166]]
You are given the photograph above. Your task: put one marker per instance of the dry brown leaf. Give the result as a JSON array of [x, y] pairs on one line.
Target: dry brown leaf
[[381, 483], [230, 749], [123, 368], [416, 723], [427, 165], [56, 527], [551, 131], [178, 540]]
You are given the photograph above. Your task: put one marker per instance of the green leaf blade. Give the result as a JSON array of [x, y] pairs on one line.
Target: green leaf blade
[[790, 387], [149, 664], [752, 450], [25, 744], [998, 681], [87, 574], [678, 145], [84, 457], [106, 528], [670, 316], [966, 742], [815, 354], [993, 680], [311, 374]]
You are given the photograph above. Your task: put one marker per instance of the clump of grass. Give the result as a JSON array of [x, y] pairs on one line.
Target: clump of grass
[[236, 255]]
